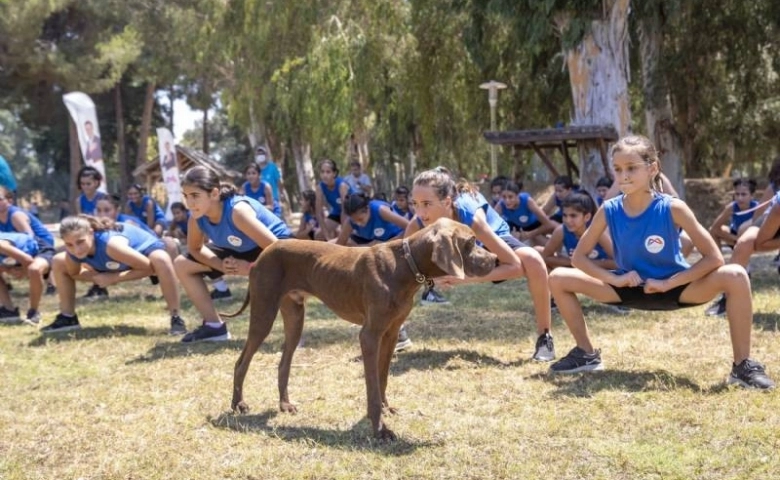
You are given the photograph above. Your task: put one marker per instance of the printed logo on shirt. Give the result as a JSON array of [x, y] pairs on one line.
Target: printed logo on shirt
[[9, 261], [593, 254], [338, 201], [378, 232], [234, 240], [523, 218], [654, 244], [113, 265]]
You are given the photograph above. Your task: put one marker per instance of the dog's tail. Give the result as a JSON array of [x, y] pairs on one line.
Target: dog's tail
[[240, 310]]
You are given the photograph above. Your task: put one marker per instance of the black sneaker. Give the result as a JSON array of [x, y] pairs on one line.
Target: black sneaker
[[51, 289], [221, 295], [553, 306], [33, 317], [9, 316], [62, 324], [204, 333], [96, 292], [545, 349], [431, 297], [750, 374], [403, 339], [178, 326], [718, 307], [578, 361]]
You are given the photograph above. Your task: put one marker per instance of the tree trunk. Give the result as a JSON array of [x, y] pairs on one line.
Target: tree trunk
[[75, 164], [599, 73], [206, 131], [658, 106], [304, 170], [126, 172], [146, 124]]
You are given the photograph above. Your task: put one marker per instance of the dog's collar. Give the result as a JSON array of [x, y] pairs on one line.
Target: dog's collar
[[418, 277]]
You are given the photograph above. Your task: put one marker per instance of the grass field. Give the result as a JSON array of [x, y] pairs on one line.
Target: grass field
[[122, 400]]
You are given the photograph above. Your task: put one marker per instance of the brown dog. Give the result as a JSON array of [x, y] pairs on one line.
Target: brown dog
[[373, 287]]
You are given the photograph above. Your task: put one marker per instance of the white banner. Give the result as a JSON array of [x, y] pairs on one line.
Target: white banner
[[169, 168], [82, 110]]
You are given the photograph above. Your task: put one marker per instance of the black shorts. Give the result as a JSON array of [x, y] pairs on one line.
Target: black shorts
[[360, 240], [514, 244], [223, 253], [636, 298], [558, 217], [517, 228], [334, 217]]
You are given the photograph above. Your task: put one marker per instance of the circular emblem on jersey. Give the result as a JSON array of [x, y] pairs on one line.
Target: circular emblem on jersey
[[378, 232], [9, 261], [654, 244], [338, 201], [234, 240], [523, 218], [113, 265], [593, 254]]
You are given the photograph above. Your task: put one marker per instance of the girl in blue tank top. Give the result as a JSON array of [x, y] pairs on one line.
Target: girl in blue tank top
[[645, 228], [370, 222], [89, 183], [400, 203], [259, 189], [331, 193], [109, 207], [102, 251], [526, 219], [237, 229], [563, 186], [435, 195], [730, 224], [146, 208], [578, 211], [181, 217], [15, 220], [308, 226]]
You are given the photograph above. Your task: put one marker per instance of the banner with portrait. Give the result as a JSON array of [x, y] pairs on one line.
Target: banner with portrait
[[82, 111], [169, 168]]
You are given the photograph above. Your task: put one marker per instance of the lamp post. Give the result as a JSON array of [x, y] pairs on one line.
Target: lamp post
[[493, 87]]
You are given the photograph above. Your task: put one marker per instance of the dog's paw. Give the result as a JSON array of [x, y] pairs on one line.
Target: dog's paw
[[386, 435], [240, 407], [288, 407], [388, 410]]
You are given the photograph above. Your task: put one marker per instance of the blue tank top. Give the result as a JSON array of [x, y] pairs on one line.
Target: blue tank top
[[467, 205], [139, 240], [226, 235], [259, 195], [184, 225], [332, 196], [648, 243], [21, 241], [135, 221], [88, 206], [570, 242], [140, 210], [737, 220], [39, 229], [520, 216], [407, 214], [377, 228], [308, 217]]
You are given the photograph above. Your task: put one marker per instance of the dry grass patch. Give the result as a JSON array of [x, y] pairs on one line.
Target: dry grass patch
[[120, 399]]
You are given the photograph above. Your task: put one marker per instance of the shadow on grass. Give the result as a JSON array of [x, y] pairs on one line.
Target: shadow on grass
[[426, 359], [590, 383], [359, 437], [766, 321], [91, 333], [176, 349]]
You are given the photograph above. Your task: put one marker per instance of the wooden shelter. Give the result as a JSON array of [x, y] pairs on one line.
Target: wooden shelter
[[150, 173], [561, 139]]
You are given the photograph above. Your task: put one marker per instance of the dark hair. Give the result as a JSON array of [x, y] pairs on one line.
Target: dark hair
[[114, 199], [82, 223], [252, 166], [745, 182], [499, 181], [402, 190], [355, 163], [7, 193], [178, 206], [328, 162], [512, 187], [137, 186], [565, 181], [89, 172], [644, 148], [581, 202], [310, 196], [206, 180], [604, 182], [355, 203]]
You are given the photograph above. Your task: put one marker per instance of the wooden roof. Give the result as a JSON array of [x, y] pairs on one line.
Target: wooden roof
[[150, 172], [560, 139]]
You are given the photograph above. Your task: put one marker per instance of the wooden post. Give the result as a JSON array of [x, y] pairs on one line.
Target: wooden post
[[546, 160]]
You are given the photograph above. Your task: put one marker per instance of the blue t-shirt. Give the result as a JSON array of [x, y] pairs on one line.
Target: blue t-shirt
[[648, 243], [22, 241], [467, 205], [140, 210], [88, 206], [38, 228], [7, 178], [408, 214], [138, 239], [520, 216], [737, 220], [259, 195], [570, 241], [377, 228], [226, 235], [271, 174], [333, 197]]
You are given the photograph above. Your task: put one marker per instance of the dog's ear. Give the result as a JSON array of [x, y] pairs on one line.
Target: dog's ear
[[447, 251]]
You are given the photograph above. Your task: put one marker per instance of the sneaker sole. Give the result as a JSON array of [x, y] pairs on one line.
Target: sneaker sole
[[217, 338], [736, 381], [222, 299], [428, 302], [31, 322], [543, 359], [584, 368], [176, 333], [403, 345], [63, 329]]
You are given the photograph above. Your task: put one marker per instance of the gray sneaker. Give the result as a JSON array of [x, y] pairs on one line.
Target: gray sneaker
[[578, 361], [177, 326], [403, 339], [545, 349], [750, 374], [431, 297], [33, 317]]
